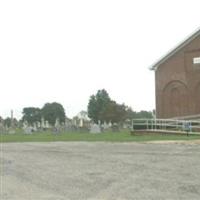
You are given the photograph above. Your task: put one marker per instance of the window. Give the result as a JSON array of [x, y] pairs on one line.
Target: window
[[196, 61]]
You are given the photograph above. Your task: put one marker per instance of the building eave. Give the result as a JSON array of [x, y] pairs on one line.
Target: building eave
[[175, 50]]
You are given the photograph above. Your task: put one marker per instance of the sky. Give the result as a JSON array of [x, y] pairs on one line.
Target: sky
[[64, 51]]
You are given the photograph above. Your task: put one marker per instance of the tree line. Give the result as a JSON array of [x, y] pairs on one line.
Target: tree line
[[101, 108], [50, 112]]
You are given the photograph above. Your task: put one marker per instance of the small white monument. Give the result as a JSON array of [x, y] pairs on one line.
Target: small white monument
[[46, 124], [35, 126], [38, 124], [95, 128], [81, 123], [43, 123], [25, 124], [106, 125], [28, 130], [57, 123]]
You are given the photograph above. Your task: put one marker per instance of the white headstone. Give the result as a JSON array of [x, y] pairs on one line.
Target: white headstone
[[35, 126], [28, 130], [25, 124], [81, 123], [38, 124], [57, 123], [42, 122], [95, 128], [46, 124], [105, 125]]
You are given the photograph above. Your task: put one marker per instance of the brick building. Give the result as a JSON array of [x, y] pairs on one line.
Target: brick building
[[177, 77]]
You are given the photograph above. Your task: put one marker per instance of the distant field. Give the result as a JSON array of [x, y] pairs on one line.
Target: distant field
[[106, 137]]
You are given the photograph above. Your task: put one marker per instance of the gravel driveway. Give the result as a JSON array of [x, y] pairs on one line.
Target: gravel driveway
[[100, 171]]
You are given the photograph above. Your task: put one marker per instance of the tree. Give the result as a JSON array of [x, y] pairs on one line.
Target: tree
[[102, 107], [31, 115], [144, 114], [1, 119], [7, 122], [130, 114], [114, 112], [97, 105], [52, 111]]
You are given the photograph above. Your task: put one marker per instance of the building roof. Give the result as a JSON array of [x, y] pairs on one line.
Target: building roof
[[176, 49]]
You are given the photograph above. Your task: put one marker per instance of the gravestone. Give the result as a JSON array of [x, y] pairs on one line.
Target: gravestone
[[46, 124], [2, 129], [38, 124], [68, 126], [95, 128], [28, 130], [57, 123], [57, 127], [105, 125], [25, 124], [81, 123], [43, 123]]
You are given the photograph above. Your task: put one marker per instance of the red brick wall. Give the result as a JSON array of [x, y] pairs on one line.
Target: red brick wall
[[178, 84]]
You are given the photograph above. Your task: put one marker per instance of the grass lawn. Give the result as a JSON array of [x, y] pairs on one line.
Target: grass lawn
[[107, 137]]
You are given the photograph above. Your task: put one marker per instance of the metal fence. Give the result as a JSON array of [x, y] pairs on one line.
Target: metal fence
[[168, 125]]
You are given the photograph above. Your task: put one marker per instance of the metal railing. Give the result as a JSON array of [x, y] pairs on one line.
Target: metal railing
[[169, 125]]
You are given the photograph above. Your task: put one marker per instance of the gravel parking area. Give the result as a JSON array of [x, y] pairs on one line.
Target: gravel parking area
[[100, 171]]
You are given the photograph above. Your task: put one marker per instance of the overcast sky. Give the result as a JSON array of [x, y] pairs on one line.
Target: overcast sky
[[65, 51]]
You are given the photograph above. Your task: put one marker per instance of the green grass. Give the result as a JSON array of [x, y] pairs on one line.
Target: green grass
[[107, 137]]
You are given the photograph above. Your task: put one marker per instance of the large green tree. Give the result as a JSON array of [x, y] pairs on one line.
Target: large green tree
[[52, 111], [97, 105], [31, 114], [114, 112], [102, 107]]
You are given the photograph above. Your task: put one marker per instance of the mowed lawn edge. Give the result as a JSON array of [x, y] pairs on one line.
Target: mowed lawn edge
[[88, 137]]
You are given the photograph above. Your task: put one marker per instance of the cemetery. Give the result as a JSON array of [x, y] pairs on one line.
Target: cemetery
[[82, 128], [110, 151], [110, 122]]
